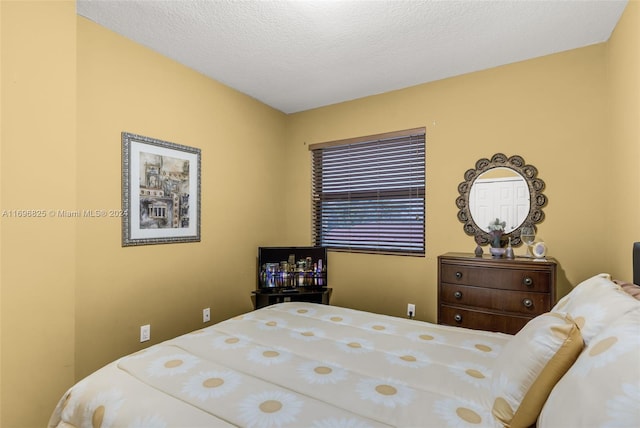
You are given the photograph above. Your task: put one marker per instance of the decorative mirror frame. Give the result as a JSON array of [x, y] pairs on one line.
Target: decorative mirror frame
[[537, 200]]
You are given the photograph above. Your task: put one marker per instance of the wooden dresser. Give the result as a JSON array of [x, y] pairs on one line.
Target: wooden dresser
[[493, 294]]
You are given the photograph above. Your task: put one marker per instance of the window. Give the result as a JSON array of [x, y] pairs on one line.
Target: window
[[368, 193]]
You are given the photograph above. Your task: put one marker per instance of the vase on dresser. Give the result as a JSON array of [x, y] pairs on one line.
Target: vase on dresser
[[497, 252]]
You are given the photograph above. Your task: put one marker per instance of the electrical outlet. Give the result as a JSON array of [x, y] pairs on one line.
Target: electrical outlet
[[411, 310], [145, 332], [206, 315]]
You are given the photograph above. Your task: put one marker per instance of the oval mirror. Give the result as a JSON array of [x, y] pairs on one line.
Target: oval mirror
[[503, 188]]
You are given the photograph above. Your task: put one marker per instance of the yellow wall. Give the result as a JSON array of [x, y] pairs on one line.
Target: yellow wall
[[123, 86], [623, 142], [72, 298], [1, 204], [549, 110], [38, 172]]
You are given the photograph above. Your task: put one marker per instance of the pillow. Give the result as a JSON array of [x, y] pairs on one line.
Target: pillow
[[595, 303], [529, 366], [602, 388], [632, 289]]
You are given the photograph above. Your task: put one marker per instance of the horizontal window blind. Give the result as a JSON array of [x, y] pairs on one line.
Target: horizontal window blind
[[368, 194]]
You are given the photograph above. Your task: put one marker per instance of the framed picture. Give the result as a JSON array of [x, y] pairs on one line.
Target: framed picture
[[539, 250], [160, 191]]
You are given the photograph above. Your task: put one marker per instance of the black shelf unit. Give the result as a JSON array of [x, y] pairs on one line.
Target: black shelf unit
[[291, 274]]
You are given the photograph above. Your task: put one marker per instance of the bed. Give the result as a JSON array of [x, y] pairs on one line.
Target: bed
[[312, 365]]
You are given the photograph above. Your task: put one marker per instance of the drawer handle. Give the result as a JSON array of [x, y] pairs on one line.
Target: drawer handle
[[457, 318], [527, 281], [527, 303], [458, 295], [458, 275]]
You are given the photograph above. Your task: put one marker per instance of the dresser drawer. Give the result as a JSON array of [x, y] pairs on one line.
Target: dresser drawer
[[520, 302], [475, 319], [500, 278]]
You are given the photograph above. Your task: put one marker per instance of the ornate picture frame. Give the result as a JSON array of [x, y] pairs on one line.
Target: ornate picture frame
[[160, 191]]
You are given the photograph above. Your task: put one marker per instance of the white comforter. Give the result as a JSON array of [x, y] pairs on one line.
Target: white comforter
[[296, 365]]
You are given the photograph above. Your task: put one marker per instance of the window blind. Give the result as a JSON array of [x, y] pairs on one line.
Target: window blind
[[368, 194]]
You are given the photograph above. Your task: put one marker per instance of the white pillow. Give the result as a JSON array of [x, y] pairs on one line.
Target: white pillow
[[595, 303], [602, 388]]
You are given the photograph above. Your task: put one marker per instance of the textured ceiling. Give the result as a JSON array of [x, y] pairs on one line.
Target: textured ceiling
[[298, 55]]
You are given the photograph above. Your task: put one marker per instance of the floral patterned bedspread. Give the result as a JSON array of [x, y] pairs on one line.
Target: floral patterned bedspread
[[296, 365]]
